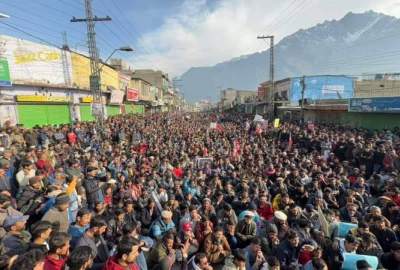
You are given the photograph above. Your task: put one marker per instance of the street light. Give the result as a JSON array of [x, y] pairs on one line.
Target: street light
[[4, 16], [122, 49]]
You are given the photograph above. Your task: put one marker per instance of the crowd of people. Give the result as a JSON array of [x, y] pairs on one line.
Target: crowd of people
[[175, 191]]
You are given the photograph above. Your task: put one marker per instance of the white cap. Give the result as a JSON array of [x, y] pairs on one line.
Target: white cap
[[280, 215]]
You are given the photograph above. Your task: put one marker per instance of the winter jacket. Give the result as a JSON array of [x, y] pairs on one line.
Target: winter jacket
[[112, 264], [29, 200], [93, 191], [56, 216], [51, 263]]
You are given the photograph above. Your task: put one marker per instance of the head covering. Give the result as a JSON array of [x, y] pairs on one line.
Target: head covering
[[280, 215], [12, 219], [187, 227], [166, 214], [62, 198], [271, 228], [248, 213]]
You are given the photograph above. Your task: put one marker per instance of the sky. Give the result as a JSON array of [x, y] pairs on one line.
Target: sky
[[175, 35]]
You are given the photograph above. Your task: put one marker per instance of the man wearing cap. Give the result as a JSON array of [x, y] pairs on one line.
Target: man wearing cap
[[93, 191], [58, 215], [246, 230], [391, 260], [15, 241], [162, 225]]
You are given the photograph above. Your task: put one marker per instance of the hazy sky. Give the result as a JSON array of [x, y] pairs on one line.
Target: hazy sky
[[174, 35]]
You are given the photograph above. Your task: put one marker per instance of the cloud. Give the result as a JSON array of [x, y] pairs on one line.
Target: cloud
[[203, 35]]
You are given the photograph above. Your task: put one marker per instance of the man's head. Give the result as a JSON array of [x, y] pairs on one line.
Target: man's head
[[255, 245], [35, 182], [293, 239], [15, 223], [166, 216], [168, 240], [128, 250], [33, 259], [363, 265], [42, 230], [395, 249], [201, 261], [59, 244], [239, 259], [83, 217], [98, 226], [62, 202], [81, 258], [351, 243]]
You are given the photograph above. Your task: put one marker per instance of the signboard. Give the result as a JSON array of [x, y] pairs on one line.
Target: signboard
[[4, 73], [276, 123], [376, 104], [30, 62], [132, 94], [321, 88], [350, 261], [117, 97], [32, 98], [87, 99], [97, 109]]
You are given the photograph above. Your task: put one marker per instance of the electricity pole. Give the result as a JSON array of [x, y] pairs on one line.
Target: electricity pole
[[271, 71], [97, 105], [303, 89]]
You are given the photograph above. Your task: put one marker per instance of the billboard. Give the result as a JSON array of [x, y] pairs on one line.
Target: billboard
[[321, 88], [117, 97], [376, 104], [132, 94], [4, 73], [30, 62], [81, 72]]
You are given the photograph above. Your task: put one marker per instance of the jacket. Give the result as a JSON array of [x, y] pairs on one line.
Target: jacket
[[246, 232], [93, 191], [159, 228], [56, 216], [51, 263], [29, 200], [287, 254], [213, 254], [14, 244], [112, 264]]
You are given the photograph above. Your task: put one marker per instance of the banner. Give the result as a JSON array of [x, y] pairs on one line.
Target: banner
[[276, 123], [258, 118], [375, 104], [132, 94], [117, 97], [4, 73]]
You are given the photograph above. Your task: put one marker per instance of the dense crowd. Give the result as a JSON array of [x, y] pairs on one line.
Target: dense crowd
[[174, 191]]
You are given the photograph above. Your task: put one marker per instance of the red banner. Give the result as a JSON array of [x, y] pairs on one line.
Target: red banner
[[132, 94]]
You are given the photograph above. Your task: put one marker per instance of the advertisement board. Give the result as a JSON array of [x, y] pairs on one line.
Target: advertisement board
[[132, 94], [4, 72], [376, 104], [321, 88], [117, 97], [30, 62]]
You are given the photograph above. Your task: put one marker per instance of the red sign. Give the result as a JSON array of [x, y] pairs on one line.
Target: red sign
[[132, 94]]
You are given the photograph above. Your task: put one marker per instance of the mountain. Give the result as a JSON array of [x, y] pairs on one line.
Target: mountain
[[356, 44]]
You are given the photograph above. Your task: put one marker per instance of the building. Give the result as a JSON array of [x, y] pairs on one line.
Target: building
[[377, 88]]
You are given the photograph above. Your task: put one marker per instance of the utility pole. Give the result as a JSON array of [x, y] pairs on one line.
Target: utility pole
[[97, 105], [65, 60], [271, 71], [303, 89]]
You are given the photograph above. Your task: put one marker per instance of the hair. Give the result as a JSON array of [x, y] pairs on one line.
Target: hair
[[292, 235], [318, 263], [82, 212], [28, 260], [219, 229], [125, 246], [78, 257], [199, 257], [58, 240], [129, 227], [119, 211], [273, 261], [97, 222], [239, 255], [40, 227]]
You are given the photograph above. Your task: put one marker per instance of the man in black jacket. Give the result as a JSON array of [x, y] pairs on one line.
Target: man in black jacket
[[391, 260], [93, 191]]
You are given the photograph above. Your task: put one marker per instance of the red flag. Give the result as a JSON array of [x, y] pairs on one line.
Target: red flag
[[219, 128]]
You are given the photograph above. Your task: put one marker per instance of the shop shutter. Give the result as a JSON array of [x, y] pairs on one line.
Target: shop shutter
[[32, 115], [113, 110], [58, 114], [86, 113]]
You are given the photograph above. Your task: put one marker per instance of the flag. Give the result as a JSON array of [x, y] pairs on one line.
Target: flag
[[219, 128], [290, 142]]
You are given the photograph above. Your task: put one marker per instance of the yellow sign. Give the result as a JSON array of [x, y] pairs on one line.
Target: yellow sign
[[276, 123], [87, 99], [81, 72], [27, 98], [44, 56]]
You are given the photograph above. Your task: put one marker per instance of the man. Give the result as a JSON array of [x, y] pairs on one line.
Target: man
[[219, 249], [31, 197], [81, 258], [288, 250], [386, 236], [199, 262], [339, 247], [6, 210], [26, 173], [391, 260], [246, 230], [162, 225], [93, 191], [254, 255], [58, 215], [128, 251], [238, 263], [15, 241], [93, 238], [58, 253], [82, 223], [41, 232]]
